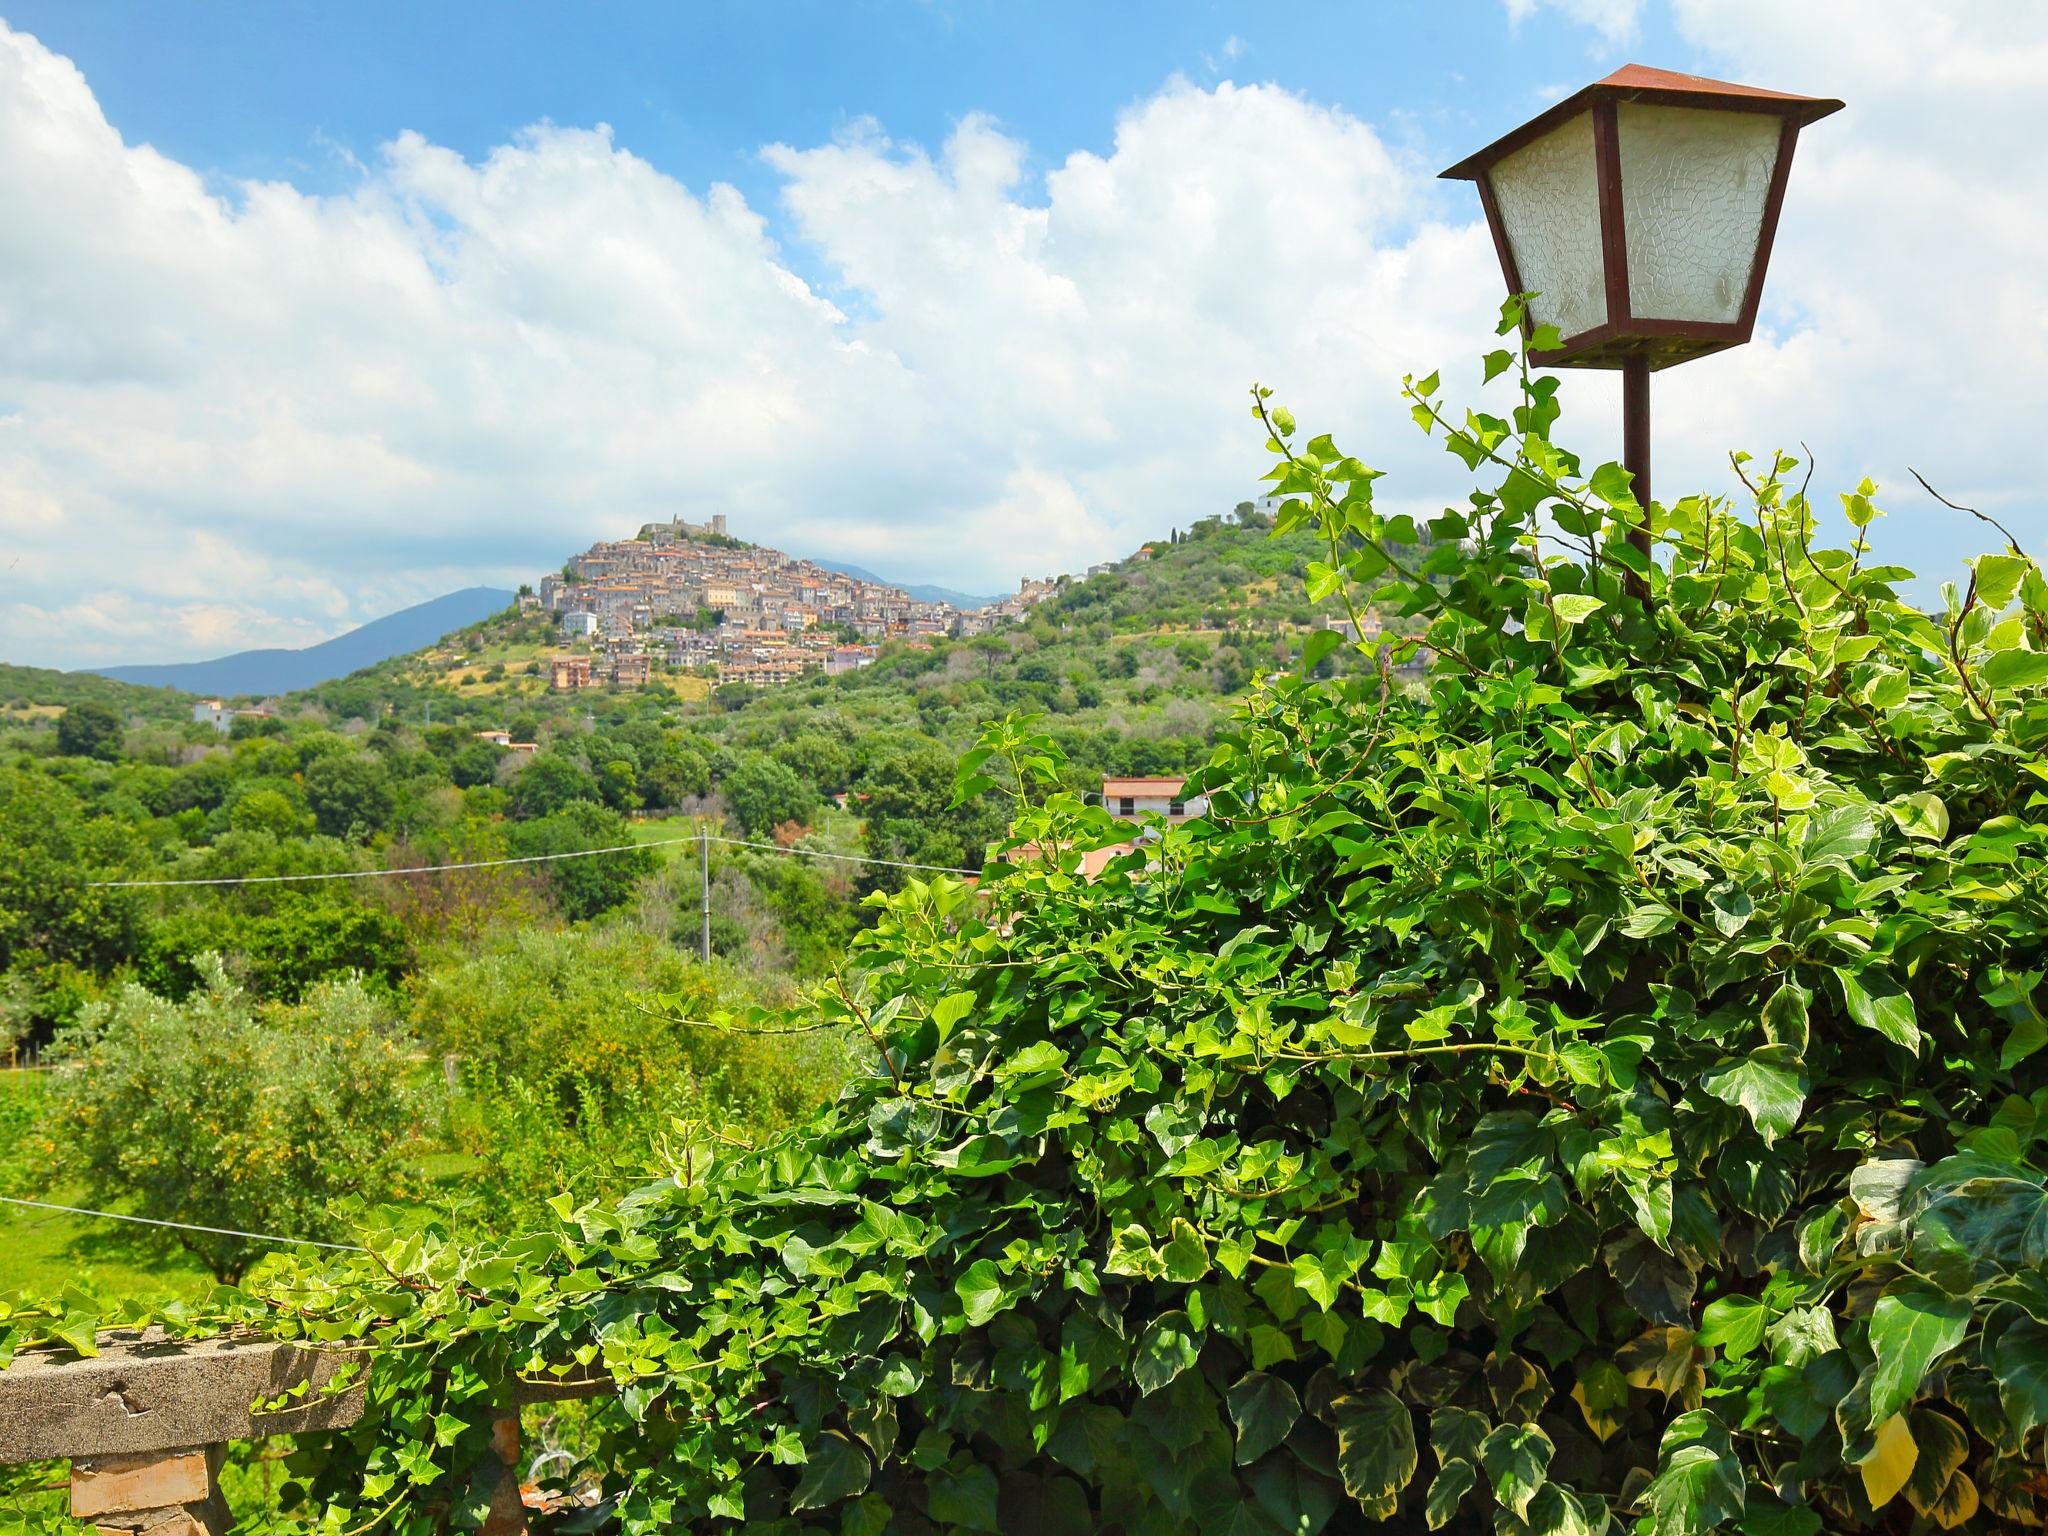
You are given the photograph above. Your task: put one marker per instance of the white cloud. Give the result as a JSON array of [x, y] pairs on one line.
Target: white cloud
[[258, 417], [1906, 317], [1617, 21], [287, 413]]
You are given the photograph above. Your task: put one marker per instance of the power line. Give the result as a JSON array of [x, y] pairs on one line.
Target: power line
[[417, 869], [533, 858], [185, 1226], [844, 858]]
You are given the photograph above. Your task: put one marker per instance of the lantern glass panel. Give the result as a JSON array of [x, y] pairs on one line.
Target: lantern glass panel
[[1693, 187], [1548, 194]]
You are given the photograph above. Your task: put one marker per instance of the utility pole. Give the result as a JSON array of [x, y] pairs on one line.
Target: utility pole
[[704, 874]]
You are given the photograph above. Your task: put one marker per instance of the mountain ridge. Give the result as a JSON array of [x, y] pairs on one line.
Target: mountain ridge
[[278, 669]]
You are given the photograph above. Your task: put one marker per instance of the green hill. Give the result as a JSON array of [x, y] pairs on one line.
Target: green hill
[[31, 693], [1147, 651]]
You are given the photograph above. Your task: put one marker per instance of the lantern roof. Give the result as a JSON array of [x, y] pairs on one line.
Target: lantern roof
[[1662, 87]]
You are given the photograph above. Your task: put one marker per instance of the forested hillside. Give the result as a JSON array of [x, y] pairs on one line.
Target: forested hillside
[[525, 976]]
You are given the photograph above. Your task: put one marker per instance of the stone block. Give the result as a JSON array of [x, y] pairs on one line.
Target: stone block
[[147, 1393]]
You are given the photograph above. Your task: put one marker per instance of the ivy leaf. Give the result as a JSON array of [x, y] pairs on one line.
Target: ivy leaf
[[1516, 1458], [1909, 1331], [835, 1469], [1767, 1517], [1602, 1395], [1888, 1467], [1732, 1324], [1319, 645], [1784, 1018], [1877, 1002], [1731, 907], [966, 1498], [1699, 1484], [1186, 1255], [1839, 835], [1165, 1349], [1264, 1408], [1575, 607], [1767, 1084], [2020, 1362], [1375, 1449], [1447, 1491], [1921, 815], [980, 1289], [2015, 669]]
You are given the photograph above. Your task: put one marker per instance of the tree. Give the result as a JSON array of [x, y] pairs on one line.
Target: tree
[[676, 773], [911, 816], [350, 795], [763, 794], [266, 809], [49, 915], [550, 782], [476, 763], [222, 1113], [89, 729], [584, 887]]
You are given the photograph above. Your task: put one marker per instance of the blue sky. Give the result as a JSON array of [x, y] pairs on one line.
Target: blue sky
[[283, 90], [313, 311]]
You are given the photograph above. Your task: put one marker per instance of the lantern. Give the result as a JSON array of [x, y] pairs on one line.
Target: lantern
[[1640, 212]]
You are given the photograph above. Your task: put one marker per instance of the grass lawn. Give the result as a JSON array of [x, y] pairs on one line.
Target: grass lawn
[[42, 1252], [659, 829]]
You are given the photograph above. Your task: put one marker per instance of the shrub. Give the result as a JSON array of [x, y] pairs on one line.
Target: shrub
[[569, 1075], [223, 1113]]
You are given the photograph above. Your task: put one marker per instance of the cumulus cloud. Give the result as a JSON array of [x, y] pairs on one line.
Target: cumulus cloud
[[249, 414], [1906, 321], [237, 414], [1616, 21]]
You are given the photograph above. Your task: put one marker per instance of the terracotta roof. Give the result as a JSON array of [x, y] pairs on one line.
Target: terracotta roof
[[1636, 82], [1168, 787]]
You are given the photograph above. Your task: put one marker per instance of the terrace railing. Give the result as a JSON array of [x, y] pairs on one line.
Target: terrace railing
[[145, 1424]]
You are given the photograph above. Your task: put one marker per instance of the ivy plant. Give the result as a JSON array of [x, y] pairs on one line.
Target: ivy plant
[[1602, 1086]]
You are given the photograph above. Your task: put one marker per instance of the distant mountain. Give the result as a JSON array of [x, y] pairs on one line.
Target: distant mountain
[[280, 671], [924, 594]]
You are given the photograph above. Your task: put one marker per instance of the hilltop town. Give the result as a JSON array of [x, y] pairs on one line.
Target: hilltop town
[[690, 597]]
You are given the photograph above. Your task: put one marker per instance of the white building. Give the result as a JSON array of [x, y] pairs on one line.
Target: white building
[[214, 713], [578, 625], [1161, 797]]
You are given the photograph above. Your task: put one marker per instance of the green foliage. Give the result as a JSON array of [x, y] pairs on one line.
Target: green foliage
[[913, 816], [552, 782], [300, 939], [572, 1080], [1607, 1087], [228, 1114], [763, 793], [50, 919], [583, 887], [89, 729], [349, 793]]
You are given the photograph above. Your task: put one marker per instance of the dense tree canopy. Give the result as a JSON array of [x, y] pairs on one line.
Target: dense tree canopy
[[89, 729]]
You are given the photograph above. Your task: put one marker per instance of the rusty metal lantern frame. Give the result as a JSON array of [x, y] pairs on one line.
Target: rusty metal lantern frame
[[1636, 345]]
